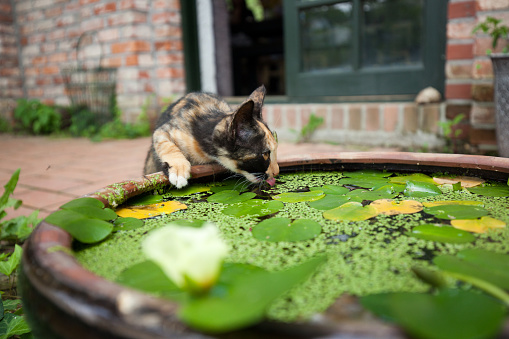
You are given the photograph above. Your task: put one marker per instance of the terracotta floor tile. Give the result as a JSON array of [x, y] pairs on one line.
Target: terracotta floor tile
[[42, 199]]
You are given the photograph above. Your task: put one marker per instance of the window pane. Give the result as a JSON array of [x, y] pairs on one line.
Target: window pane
[[326, 36], [391, 32]]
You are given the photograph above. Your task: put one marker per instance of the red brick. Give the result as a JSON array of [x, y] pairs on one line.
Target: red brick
[[460, 30], [482, 114], [482, 92], [458, 91], [482, 69], [112, 62], [483, 136], [431, 116], [168, 45], [86, 2], [354, 118], [131, 46], [277, 116], [372, 118], [453, 110], [58, 57], [291, 116], [459, 51], [391, 117], [337, 117], [410, 119], [170, 4], [484, 44], [168, 31], [127, 18], [170, 72], [461, 9], [486, 5], [105, 8], [461, 70], [131, 60], [51, 70], [166, 17]]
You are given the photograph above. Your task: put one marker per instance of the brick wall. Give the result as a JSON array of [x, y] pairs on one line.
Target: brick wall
[[141, 38], [10, 75], [469, 84]]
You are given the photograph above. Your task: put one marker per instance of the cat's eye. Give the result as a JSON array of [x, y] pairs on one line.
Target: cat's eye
[[274, 134]]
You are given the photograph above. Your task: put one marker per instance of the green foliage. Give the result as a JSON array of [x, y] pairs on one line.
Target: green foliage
[[230, 197], [36, 118], [497, 31], [284, 229], [441, 233], [5, 125], [451, 212], [8, 266], [307, 130]]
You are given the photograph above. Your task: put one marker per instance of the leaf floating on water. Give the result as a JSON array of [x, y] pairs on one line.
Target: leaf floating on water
[[145, 200], [481, 225], [188, 190], [464, 180], [416, 177], [230, 184], [150, 211], [332, 201], [124, 224], [283, 229], [491, 190], [331, 189], [82, 202], [441, 233], [367, 174], [391, 207], [452, 212], [351, 211], [420, 189], [254, 207], [300, 196], [365, 182], [453, 202], [230, 197], [384, 193]]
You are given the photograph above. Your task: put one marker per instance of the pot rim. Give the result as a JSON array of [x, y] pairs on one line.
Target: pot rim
[[50, 267]]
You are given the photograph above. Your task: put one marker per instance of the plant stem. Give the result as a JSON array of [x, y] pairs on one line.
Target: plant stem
[[483, 285]]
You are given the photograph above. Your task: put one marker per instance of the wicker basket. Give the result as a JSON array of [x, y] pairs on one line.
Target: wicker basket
[[93, 87]]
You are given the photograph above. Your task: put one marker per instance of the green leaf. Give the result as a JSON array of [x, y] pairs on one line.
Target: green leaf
[[415, 177], [188, 190], [62, 217], [9, 305], [94, 212], [451, 212], [283, 229], [229, 185], [450, 314], [332, 201], [441, 233], [367, 174], [230, 197], [143, 200], [362, 195], [8, 266], [351, 211], [9, 188], [125, 224], [418, 189], [484, 265], [14, 325], [299, 196], [246, 301], [83, 229], [255, 207], [491, 190], [331, 189], [147, 276], [83, 202], [365, 182], [188, 223], [390, 188]]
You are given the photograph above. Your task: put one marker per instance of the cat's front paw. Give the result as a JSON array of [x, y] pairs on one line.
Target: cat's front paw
[[178, 174]]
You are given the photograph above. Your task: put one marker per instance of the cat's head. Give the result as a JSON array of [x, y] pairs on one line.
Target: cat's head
[[251, 147]]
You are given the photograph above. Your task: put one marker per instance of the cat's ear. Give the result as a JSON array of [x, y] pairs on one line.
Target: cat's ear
[[242, 117], [258, 96]]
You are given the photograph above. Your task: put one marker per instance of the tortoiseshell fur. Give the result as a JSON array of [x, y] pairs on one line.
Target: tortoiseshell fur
[[200, 128]]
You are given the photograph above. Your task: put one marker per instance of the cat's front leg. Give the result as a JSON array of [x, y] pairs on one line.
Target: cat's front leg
[[177, 167]]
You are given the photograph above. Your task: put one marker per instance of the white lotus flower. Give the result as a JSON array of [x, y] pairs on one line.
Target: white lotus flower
[[191, 257]]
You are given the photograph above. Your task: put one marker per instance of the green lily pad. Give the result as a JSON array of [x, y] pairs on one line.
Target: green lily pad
[[299, 196], [351, 211], [245, 302], [331, 189], [370, 195], [332, 201], [364, 182], [143, 200], [491, 190], [230, 197], [125, 224], [390, 187], [188, 223], [451, 313], [83, 202], [418, 189], [188, 190], [418, 177], [254, 208], [441, 233], [230, 185], [283, 229], [94, 212], [484, 265], [451, 212], [367, 173]]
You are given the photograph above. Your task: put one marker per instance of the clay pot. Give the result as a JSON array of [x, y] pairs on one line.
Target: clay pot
[[64, 300]]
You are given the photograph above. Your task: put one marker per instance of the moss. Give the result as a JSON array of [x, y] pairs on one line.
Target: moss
[[363, 257]]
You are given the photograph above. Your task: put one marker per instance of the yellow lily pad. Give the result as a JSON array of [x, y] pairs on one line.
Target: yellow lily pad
[[391, 207], [464, 180], [351, 211], [148, 211], [477, 225], [453, 202]]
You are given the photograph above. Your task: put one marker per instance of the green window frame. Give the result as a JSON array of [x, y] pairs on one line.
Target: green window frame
[[357, 81]]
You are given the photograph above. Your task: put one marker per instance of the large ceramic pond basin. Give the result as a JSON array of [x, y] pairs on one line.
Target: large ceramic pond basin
[[64, 300]]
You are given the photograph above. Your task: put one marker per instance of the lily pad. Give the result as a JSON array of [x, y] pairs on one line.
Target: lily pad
[[390, 187], [463, 180], [230, 197], [188, 190], [451, 313], [487, 266], [230, 185], [283, 229], [351, 211], [82, 202], [367, 174], [362, 195], [299, 196], [332, 201], [364, 182], [125, 224], [143, 200], [188, 223], [94, 212], [149, 211], [451, 212], [491, 190], [481, 225], [254, 208], [83, 229], [331, 189], [420, 189], [453, 202], [391, 207], [415, 177], [441, 233]]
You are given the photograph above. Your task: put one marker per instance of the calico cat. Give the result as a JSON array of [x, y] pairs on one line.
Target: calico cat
[[200, 128]]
